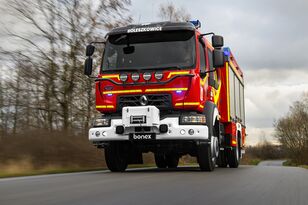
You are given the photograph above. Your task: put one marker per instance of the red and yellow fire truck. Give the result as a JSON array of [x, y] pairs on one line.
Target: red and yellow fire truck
[[164, 88]]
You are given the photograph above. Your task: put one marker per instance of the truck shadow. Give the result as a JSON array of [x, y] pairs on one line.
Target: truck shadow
[[154, 169]]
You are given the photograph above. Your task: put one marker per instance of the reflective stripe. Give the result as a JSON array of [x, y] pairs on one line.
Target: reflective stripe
[[111, 76], [228, 94], [191, 103], [165, 89], [122, 91], [105, 106], [177, 73], [187, 103]]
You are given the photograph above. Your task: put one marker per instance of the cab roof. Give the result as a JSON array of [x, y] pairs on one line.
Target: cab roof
[[153, 27]]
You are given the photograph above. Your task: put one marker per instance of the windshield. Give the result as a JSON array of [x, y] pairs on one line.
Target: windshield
[[149, 50]]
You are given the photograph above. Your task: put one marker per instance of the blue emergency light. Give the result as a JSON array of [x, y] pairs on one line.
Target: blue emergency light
[[196, 23], [227, 51]]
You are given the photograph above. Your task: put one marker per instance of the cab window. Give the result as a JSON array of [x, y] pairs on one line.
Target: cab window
[[210, 59]]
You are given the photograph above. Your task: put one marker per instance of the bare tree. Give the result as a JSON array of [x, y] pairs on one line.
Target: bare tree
[[292, 131], [170, 12], [48, 88]]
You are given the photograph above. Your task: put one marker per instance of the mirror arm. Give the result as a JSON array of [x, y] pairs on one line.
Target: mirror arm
[[210, 71], [206, 34]]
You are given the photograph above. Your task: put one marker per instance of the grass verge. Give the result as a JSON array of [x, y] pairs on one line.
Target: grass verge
[[289, 163], [304, 166], [250, 160], [4, 174]]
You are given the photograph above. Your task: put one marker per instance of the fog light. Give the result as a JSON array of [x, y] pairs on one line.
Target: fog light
[[182, 132], [135, 76], [163, 128], [147, 76], [158, 75], [97, 133], [123, 77], [191, 131], [119, 130], [193, 120], [101, 122]]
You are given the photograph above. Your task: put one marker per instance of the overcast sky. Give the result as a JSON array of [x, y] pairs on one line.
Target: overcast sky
[[269, 39]]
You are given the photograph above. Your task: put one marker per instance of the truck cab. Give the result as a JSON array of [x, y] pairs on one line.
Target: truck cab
[[163, 88]]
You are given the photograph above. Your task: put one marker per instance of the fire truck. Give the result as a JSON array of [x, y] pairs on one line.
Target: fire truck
[[165, 88]]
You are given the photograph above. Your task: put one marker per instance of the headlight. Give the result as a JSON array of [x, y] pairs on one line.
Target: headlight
[[135, 76], [158, 75], [102, 122], [193, 120], [147, 76], [123, 77]]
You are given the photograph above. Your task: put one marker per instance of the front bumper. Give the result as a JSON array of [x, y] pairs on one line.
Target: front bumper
[[175, 130]]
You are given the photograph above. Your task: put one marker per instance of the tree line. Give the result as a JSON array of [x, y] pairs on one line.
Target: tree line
[[292, 131]]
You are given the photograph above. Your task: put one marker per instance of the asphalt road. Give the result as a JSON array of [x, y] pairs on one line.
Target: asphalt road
[[186, 185], [271, 163]]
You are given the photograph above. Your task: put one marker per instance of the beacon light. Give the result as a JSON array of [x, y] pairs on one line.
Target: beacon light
[[227, 51], [196, 23]]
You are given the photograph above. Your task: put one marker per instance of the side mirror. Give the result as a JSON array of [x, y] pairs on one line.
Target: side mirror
[[217, 41], [88, 66], [218, 58], [90, 50]]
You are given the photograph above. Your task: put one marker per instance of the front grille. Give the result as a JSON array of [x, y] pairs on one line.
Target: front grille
[[161, 101]]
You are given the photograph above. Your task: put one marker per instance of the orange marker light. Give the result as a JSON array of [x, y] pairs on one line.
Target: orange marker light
[[233, 142]]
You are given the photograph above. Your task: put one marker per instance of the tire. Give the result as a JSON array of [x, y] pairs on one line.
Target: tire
[[222, 159], [234, 156], [160, 161], [206, 158], [172, 161], [115, 158], [208, 152]]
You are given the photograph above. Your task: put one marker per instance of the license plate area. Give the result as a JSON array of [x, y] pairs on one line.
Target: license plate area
[[142, 136]]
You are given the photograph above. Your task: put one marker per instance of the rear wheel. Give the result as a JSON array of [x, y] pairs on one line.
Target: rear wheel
[[166, 160], [222, 159], [234, 156], [160, 161], [172, 160], [115, 157]]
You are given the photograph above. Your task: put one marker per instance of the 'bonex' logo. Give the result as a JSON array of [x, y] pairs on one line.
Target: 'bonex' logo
[[141, 137], [144, 29]]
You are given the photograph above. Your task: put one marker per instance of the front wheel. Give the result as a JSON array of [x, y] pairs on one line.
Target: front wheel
[[115, 158], [207, 154]]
